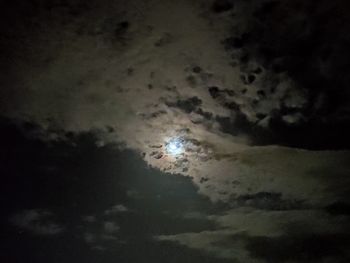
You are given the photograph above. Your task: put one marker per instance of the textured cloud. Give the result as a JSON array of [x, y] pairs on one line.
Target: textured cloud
[[259, 112], [146, 83], [296, 174], [147, 68], [245, 232]]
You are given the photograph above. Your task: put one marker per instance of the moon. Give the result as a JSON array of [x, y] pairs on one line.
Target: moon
[[174, 147]]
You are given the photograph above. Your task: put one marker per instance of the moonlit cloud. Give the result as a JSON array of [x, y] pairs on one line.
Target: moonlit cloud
[[174, 99], [245, 99]]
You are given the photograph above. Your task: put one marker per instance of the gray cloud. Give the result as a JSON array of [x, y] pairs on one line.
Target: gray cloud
[[120, 208], [251, 235], [101, 235], [89, 219], [36, 221], [110, 227]]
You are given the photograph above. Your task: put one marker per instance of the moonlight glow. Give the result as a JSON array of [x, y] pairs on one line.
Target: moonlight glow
[[174, 147]]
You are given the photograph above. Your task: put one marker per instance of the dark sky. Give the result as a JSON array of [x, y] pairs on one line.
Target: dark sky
[[167, 131], [66, 203]]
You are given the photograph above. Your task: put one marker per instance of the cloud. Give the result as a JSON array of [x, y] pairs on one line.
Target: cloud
[[308, 247], [189, 90], [242, 231], [37, 221], [262, 116], [89, 237], [102, 235], [256, 110], [110, 227], [291, 80], [298, 177], [120, 208], [89, 219]]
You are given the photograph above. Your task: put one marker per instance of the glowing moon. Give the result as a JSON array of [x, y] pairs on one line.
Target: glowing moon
[[174, 147]]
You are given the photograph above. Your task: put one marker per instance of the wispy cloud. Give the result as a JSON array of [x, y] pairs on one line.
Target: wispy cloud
[[37, 221], [120, 208]]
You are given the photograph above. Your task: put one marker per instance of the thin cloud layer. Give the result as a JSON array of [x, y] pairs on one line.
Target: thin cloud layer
[[244, 230]]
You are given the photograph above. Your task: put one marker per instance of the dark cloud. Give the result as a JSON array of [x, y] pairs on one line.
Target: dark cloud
[[91, 207], [272, 236], [38, 222], [266, 200], [89, 219], [220, 6], [339, 208], [304, 248], [313, 56], [165, 39], [189, 105]]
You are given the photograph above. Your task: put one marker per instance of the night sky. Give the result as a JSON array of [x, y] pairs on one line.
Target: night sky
[[175, 131]]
